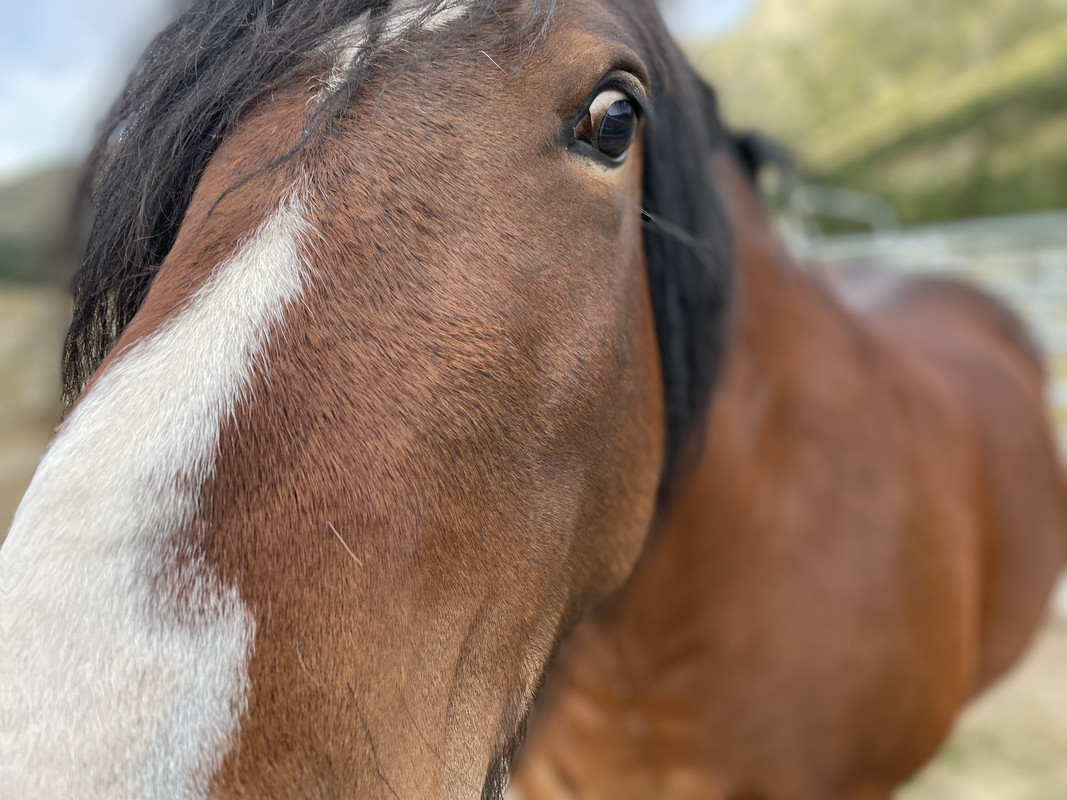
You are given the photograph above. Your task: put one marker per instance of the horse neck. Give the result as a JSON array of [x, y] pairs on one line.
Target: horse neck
[[783, 313], [789, 332], [636, 649]]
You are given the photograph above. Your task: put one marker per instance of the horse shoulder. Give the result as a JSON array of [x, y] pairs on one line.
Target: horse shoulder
[[985, 361]]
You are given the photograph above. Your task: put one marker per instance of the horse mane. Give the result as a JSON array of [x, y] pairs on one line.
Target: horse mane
[[689, 253], [755, 150], [190, 88]]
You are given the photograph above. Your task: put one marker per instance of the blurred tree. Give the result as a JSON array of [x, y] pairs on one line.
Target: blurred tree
[[954, 108]]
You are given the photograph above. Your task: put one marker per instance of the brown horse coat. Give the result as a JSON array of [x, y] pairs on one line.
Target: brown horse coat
[[868, 537], [378, 367]]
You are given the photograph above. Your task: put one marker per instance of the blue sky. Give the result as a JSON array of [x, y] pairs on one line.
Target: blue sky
[[692, 18], [62, 62]]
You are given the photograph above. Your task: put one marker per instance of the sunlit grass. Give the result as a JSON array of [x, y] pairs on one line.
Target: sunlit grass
[[1009, 745]]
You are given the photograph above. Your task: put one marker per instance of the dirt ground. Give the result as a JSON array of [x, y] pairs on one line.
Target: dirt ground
[[1010, 745]]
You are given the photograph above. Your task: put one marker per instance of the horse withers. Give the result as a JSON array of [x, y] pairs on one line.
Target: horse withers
[[868, 539], [375, 381]]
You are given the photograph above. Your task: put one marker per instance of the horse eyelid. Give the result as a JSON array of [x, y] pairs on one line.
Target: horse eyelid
[[628, 83], [624, 82]]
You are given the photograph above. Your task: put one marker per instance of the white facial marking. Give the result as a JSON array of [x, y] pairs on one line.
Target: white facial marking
[[123, 658], [403, 17]]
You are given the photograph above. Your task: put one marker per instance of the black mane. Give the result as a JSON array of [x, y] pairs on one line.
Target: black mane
[[221, 55], [689, 249]]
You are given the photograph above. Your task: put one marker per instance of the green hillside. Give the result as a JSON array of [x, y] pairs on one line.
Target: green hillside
[[34, 219], [948, 109]]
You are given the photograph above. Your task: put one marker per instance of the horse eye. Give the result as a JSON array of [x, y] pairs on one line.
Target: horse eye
[[610, 125]]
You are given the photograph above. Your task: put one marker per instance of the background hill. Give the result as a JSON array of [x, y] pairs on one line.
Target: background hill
[[34, 221], [949, 109]]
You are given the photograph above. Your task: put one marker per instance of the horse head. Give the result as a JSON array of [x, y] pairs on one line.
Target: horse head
[[394, 326]]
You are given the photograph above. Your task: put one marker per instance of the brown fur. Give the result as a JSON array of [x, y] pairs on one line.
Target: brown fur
[[458, 442], [868, 539], [475, 455]]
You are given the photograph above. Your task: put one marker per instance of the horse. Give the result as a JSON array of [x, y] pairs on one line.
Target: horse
[[395, 323], [867, 540]]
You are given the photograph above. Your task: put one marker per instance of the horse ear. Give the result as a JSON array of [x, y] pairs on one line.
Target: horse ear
[[688, 253], [755, 150]]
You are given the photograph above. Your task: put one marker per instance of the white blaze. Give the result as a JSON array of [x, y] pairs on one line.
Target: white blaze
[[123, 660], [404, 17]]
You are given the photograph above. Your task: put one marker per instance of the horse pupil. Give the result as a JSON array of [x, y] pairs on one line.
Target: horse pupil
[[617, 129]]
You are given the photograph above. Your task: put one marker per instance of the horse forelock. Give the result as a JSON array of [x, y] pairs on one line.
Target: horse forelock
[[218, 59], [192, 86]]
